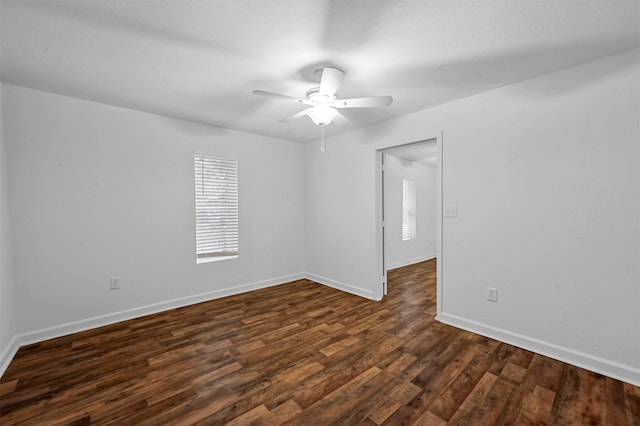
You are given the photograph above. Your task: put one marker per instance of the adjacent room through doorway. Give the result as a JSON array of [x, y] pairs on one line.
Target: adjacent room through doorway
[[409, 195]]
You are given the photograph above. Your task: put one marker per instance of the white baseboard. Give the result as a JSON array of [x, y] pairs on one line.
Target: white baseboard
[[358, 291], [102, 320], [8, 353], [596, 364], [408, 262]]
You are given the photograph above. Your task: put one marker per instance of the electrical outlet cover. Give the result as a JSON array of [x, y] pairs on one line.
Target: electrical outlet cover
[[114, 283]]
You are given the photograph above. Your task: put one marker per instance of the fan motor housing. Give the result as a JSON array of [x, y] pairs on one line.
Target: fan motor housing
[[315, 96]]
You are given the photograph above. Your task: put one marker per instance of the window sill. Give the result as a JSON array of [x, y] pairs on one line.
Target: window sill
[[215, 259]]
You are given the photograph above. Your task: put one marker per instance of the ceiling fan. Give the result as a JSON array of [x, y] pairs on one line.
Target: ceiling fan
[[323, 102]]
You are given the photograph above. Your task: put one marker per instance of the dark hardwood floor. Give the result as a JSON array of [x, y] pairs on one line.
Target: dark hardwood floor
[[305, 354]]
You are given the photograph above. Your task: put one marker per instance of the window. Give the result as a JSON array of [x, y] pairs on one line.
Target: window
[[216, 208], [408, 209]]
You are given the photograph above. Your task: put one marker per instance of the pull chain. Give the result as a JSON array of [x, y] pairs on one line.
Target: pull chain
[[322, 137]]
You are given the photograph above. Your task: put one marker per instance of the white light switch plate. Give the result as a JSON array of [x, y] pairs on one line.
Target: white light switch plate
[[450, 210], [492, 294]]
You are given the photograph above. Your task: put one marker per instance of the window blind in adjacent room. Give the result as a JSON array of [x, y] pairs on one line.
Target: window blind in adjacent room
[[408, 209], [216, 197]]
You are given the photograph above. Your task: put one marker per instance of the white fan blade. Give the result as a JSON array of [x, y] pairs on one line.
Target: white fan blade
[[341, 120], [368, 102], [330, 81], [294, 116], [279, 96]]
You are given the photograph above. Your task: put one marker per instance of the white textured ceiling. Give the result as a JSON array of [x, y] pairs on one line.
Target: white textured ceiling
[[200, 60]]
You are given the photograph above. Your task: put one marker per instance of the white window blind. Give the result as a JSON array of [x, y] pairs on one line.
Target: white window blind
[[216, 208], [408, 209]]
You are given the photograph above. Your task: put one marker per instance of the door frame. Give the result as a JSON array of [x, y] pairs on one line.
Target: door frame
[[381, 267]]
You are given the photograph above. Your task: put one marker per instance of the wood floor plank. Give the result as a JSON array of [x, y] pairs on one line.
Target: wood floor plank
[[464, 413], [513, 373], [632, 403], [400, 364], [303, 354], [536, 407], [591, 398], [429, 419], [615, 413], [564, 411], [250, 416], [279, 414], [342, 400], [384, 411], [435, 386], [457, 392]]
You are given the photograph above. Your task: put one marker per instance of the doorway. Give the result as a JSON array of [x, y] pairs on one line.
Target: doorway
[[409, 225]]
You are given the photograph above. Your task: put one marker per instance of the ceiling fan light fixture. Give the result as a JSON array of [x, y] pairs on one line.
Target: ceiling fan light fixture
[[322, 114]]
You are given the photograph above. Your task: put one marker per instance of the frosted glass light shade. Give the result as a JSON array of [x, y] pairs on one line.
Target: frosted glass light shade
[[322, 114]]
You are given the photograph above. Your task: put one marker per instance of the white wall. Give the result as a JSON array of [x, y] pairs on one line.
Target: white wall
[[546, 176], [7, 313], [400, 253], [100, 191]]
